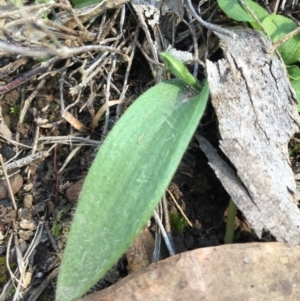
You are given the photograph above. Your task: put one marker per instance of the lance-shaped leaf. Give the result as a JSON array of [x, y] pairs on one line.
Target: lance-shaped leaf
[[126, 181]]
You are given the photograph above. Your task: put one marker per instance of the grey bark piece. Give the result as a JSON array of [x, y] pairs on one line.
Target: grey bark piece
[[232, 185], [256, 109]]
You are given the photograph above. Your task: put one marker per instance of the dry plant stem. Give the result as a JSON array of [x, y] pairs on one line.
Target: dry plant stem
[[195, 43], [122, 17], [285, 38], [35, 241], [38, 291], [157, 241], [69, 140], [101, 111], [249, 10], [107, 95], [166, 214], [25, 259], [167, 220], [29, 99], [28, 75], [99, 35], [148, 37], [15, 143], [70, 156], [128, 68], [179, 208], [8, 183], [62, 52], [12, 66], [72, 105], [111, 23], [62, 81], [76, 19], [35, 141], [87, 72], [164, 234], [15, 14], [147, 57], [89, 103], [20, 261], [61, 27], [25, 161], [210, 26], [23, 93], [51, 238], [40, 24], [13, 278]]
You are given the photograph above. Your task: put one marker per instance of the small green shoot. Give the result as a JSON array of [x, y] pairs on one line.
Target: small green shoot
[[15, 110], [230, 224], [178, 223], [180, 71]]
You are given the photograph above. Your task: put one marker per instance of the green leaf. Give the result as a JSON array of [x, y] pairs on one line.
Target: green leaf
[[84, 3], [234, 10], [278, 26], [180, 70], [128, 177], [294, 72], [296, 85]]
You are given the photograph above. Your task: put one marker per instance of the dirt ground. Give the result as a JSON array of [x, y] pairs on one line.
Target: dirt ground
[[46, 113]]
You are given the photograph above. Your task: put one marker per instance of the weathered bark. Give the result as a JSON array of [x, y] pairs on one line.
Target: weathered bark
[[256, 109]]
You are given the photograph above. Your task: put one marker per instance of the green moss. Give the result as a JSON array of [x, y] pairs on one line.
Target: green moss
[[178, 222]]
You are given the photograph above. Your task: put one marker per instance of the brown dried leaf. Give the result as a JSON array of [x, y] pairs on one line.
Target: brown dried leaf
[[74, 122]]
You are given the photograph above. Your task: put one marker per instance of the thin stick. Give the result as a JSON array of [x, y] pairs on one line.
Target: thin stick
[[28, 75], [164, 234], [167, 220], [30, 98], [210, 26], [285, 38], [101, 111], [179, 208], [8, 183], [128, 68], [249, 10]]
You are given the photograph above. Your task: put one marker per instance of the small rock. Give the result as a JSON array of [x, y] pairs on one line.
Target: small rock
[[39, 207], [28, 224], [50, 206], [16, 182], [28, 187], [25, 235], [27, 201], [73, 191]]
